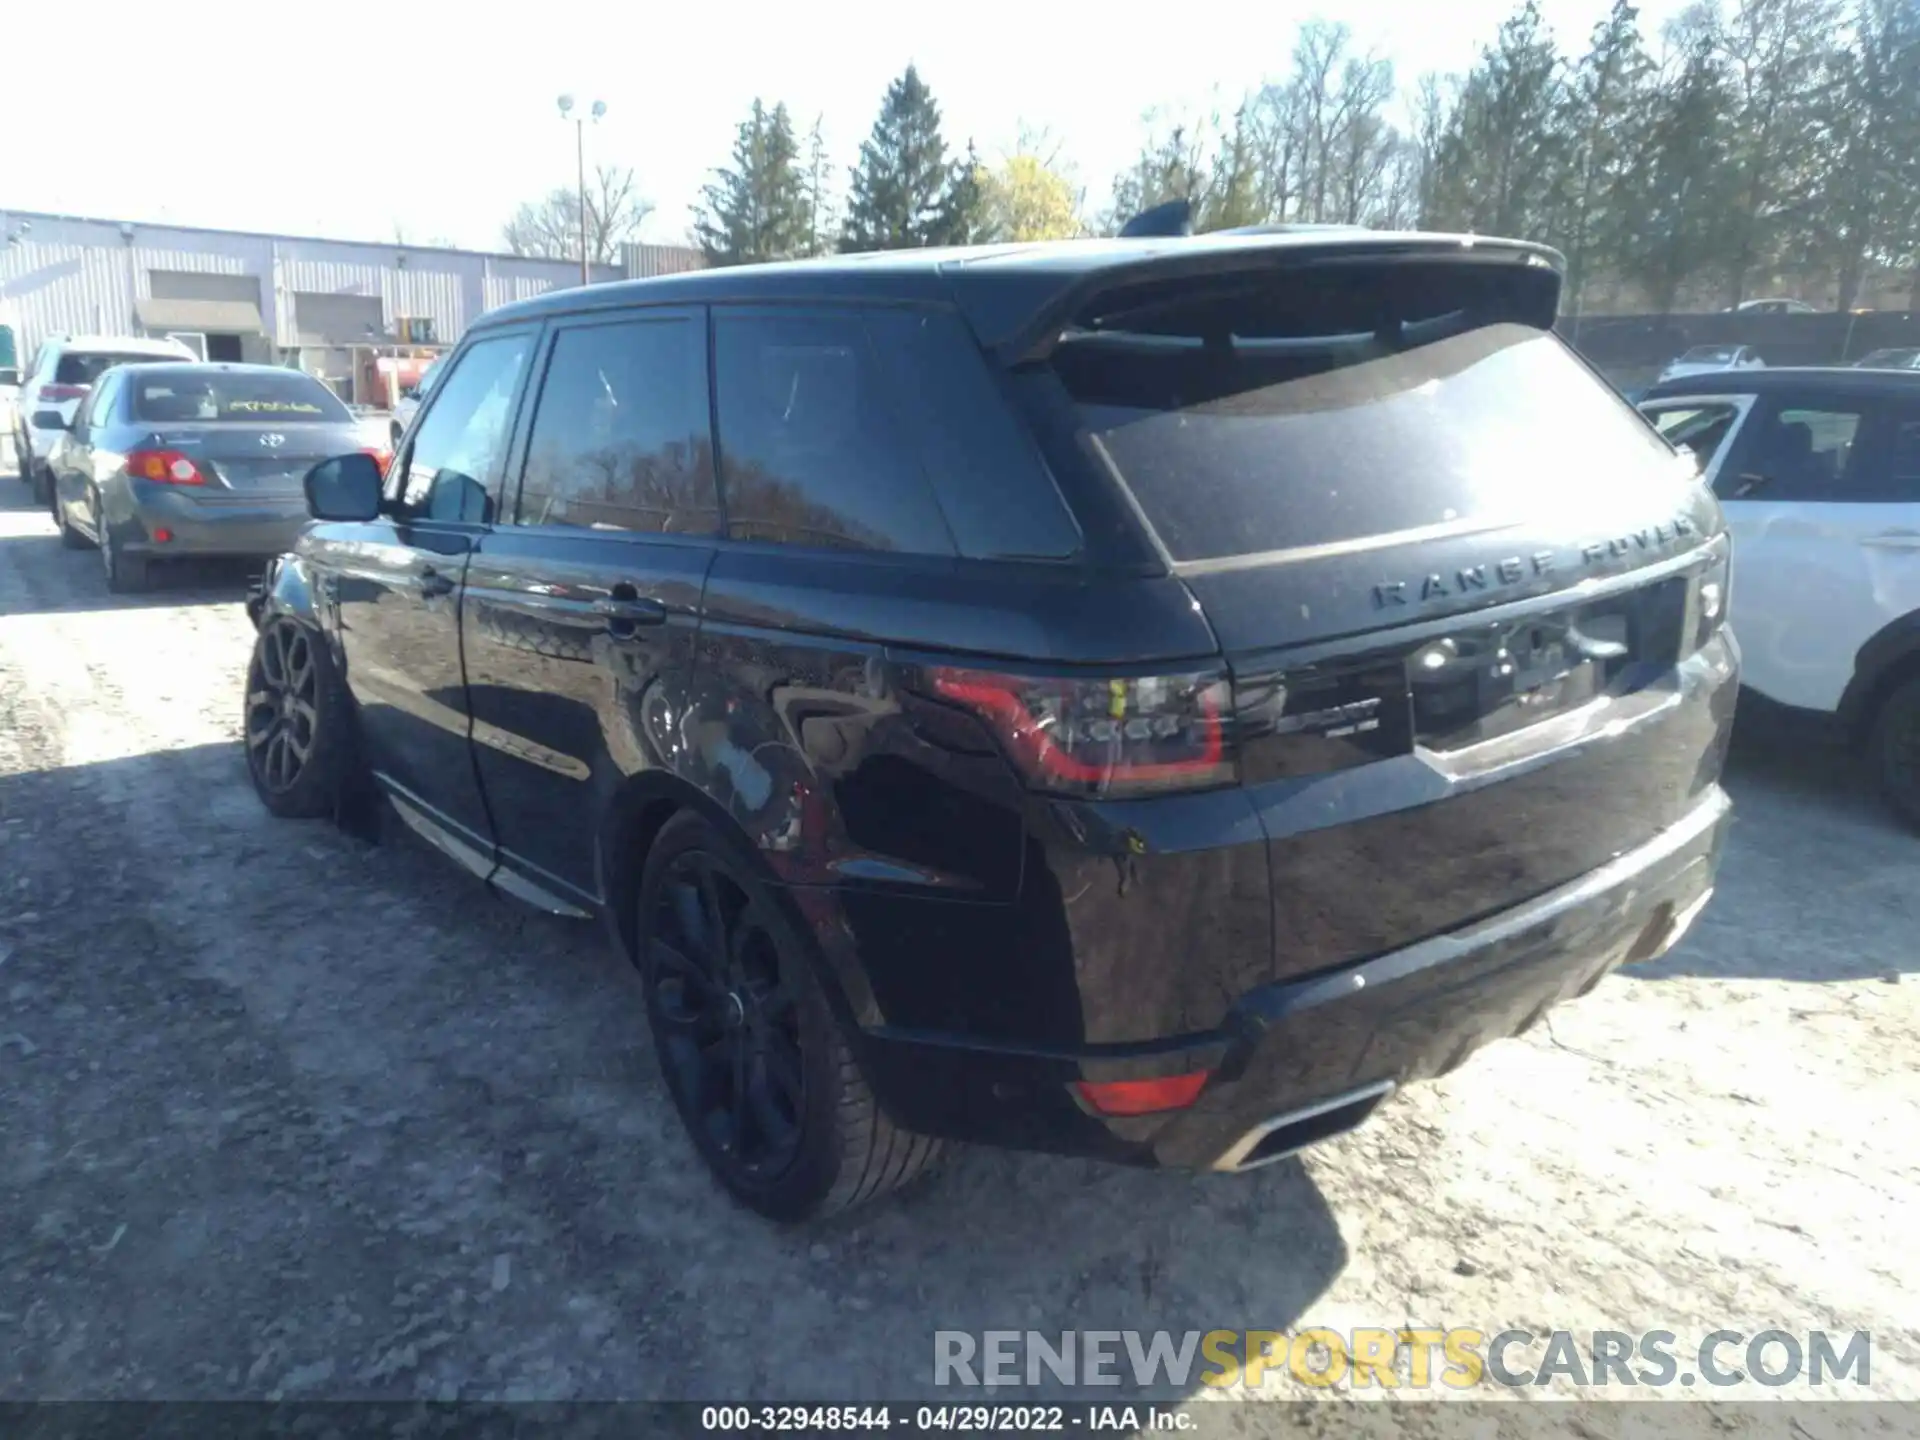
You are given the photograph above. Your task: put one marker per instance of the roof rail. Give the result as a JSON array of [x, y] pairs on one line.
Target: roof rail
[[1171, 217]]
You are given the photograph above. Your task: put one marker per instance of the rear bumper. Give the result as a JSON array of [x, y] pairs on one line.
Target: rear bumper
[[1317, 1054], [228, 527]]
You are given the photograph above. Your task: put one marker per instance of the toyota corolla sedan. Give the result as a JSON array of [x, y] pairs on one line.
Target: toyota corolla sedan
[[169, 461]]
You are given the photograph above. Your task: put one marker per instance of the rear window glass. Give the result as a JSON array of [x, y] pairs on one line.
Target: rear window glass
[[83, 367], [1246, 447], [9, 357], [216, 397], [1710, 354]]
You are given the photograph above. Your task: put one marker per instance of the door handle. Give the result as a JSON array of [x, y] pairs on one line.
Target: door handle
[[433, 583], [1893, 540], [623, 612]]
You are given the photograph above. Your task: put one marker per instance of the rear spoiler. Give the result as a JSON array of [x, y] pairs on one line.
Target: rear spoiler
[[1018, 305]]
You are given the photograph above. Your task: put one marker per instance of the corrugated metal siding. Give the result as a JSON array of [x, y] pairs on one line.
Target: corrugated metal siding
[[80, 275], [642, 260]]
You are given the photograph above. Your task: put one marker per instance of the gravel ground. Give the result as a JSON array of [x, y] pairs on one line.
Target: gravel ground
[[285, 1115]]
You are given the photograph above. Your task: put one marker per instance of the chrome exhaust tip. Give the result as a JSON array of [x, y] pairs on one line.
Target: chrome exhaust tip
[[1294, 1131]]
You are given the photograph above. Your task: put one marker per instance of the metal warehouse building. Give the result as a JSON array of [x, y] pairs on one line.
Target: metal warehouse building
[[356, 315]]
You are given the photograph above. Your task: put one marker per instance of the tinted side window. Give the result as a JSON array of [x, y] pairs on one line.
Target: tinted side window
[[1902, 479], [809, 452], [620, 440], [458, 447], [985, 469], [1701, 426], [1796, 452]]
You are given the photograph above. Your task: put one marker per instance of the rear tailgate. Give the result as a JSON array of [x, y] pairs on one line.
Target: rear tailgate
[[1458, 582], [255, 459]]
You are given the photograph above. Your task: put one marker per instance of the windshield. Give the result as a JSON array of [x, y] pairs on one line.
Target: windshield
[[1890, 359], [168, 396]]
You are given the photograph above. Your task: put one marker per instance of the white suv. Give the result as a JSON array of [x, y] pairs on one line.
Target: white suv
[[62, 373], [1819, 474]]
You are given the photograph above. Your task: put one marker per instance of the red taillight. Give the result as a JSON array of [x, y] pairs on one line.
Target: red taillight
[[1111, 736], [381, 459], [58, 393], [1142, 1097], [166, 467]]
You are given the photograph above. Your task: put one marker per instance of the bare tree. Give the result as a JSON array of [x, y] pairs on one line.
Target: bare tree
[[551, 227]]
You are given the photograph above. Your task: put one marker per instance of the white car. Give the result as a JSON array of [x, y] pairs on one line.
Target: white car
[[408, 405], [1706, 359], [1818, 471], [62, 373], [1772, 307]]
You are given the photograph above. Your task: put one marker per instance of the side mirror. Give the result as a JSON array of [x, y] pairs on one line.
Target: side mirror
[[346, 487], [49, 420]]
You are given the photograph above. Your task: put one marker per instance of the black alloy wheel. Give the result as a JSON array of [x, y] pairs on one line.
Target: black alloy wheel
[[283, 706], [754, 1056], [727, 1019]]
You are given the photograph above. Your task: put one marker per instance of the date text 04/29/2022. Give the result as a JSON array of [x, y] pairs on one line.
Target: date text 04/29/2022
[[933, 1419]]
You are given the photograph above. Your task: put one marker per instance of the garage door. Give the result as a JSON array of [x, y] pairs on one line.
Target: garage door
[[337, 319]]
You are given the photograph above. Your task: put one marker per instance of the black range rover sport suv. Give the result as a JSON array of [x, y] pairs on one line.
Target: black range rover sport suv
[[1141, 699]]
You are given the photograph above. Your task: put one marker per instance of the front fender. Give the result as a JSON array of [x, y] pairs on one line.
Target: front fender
[[284, 588]]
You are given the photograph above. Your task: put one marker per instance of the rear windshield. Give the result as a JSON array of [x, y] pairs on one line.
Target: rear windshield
[[1710, 354], [1277, 444], [83, 367], [214, 397], [9, 357]]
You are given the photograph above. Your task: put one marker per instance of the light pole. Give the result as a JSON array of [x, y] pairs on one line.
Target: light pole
[[599, 108]]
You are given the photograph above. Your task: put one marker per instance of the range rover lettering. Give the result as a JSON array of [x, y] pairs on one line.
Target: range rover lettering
[[1140, 699]]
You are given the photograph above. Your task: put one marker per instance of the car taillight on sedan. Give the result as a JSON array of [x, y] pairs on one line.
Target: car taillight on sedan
[[60, 394], [165, 467], [381, 459], [1111, 736]]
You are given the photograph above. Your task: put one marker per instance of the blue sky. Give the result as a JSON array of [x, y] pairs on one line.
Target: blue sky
[[343, 121]]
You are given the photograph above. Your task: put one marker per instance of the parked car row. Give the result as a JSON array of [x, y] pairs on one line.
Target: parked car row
[[1122, 699], [60, 377], [165, 461]]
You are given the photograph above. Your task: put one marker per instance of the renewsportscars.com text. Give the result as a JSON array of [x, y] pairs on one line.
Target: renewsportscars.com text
[[1457, 1359]]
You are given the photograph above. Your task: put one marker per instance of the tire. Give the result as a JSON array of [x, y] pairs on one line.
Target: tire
[[126, 574], [291, 659], [1894, 749], [71, 538], [791, 1156], [22, 460], [42, 485]]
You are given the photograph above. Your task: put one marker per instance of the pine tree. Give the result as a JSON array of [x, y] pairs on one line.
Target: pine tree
[[1775, 52], [1500, 161], [758, 208], [904, 193], [1679, 195], [1606, 104], [963, 211], [822, 214]]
